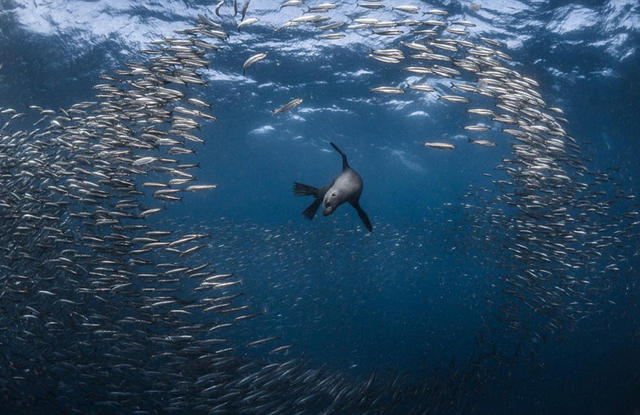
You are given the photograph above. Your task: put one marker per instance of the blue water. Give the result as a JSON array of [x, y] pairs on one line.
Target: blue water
[[410, 296]]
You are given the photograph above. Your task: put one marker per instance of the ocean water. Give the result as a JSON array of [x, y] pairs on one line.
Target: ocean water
[[480, 290]]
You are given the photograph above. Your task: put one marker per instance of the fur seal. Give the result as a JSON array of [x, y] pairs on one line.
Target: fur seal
[[345, 187]]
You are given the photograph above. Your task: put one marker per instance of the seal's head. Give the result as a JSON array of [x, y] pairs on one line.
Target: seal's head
[[330, 202]]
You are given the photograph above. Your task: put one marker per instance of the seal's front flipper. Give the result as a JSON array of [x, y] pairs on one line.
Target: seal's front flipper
[[363, 216], [311, 210], [300, 189], [344, 156]]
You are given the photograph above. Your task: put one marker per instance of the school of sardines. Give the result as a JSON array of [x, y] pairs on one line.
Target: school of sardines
[[107, 309]]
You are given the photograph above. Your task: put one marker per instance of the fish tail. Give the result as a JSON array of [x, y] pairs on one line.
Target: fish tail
[[300, 189], [311, 210]]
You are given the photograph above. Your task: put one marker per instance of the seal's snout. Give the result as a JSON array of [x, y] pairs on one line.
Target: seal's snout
[[327, 209]]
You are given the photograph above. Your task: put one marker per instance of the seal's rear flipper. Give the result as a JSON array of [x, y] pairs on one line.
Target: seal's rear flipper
[[311, 210], [300, 189], [344, 156], [363, 216]]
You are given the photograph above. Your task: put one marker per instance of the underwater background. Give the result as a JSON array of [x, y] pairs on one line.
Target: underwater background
[[426, 311]]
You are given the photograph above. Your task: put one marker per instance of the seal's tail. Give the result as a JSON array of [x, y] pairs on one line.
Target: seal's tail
[[311, 210], [300, 189]]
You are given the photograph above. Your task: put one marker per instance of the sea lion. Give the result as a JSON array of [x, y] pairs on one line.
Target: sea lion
[[345, 187]]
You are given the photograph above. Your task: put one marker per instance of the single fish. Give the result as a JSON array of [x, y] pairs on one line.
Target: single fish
[[245, 6], [253, 59], [387, 90], [440, 145], [288, 106], [218, 8], [455, 98], [247, 22], [291, 3], [421, 87], [406, 9], [200, 187], [484, 143], [332, 36], [476, 127]]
